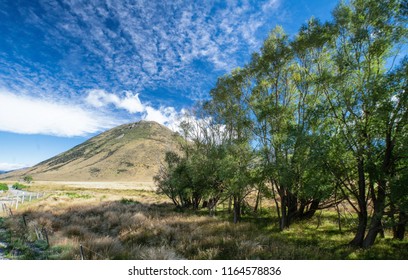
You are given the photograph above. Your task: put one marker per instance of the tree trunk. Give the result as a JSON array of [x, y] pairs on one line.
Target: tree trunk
[[237, 209], [301, 210], [292, 207], [361, 228], [400, 228], [212, 205], [284, 218], [362, 205], [258, 201], [196, 202], [276, 200], [314, 206], [375, 228], [338, 217], [376, 224], [379, 199]]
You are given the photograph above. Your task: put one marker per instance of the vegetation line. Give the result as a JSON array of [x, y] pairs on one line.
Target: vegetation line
[[311, 121]]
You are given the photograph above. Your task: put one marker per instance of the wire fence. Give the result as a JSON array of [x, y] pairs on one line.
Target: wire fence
[[83, 255], [16, 198], [13, 200]]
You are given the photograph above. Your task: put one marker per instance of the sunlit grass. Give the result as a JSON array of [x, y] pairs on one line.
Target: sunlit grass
[[134, 224]]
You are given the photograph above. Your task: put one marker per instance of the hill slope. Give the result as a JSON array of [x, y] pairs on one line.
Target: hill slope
[[130, 152]]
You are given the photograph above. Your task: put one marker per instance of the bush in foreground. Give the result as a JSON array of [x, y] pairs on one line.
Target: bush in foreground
[[19, 186], [3, 187]]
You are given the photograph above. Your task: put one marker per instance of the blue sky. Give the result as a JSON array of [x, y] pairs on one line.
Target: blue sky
[[71, 69]]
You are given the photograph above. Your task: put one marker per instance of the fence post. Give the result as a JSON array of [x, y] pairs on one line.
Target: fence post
[[81, 250], [46, 236], [24, 220], [16, 202], [37, 232]]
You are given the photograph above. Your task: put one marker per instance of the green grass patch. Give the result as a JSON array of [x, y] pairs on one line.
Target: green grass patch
[[3, 187], [74, 195], [141, 225], [19, 186], [128, 201]]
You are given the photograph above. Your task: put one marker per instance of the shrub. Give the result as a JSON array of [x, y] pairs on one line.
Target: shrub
[[3, 187], [128, 201], [28, 179], [19, 186]]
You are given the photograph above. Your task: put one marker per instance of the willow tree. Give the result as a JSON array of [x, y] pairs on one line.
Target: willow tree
[[325, 111], [286, 103], [391, 153], [271, 100], [230, 109], [364, 36]]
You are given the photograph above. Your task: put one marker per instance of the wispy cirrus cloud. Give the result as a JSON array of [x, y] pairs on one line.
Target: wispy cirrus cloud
[[171, 52], [139, 45]]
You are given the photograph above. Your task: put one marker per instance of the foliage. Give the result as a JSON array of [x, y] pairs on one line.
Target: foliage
[[28, 179], [316, 119], [173, 180], [285, 100], [128, 201], [3, 187], [19, 186]]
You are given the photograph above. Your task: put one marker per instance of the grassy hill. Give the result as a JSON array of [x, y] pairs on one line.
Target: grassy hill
[[130, 152]]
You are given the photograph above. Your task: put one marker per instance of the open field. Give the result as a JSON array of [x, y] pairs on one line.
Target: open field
[[146, 185], [57, 185], [120, 223]]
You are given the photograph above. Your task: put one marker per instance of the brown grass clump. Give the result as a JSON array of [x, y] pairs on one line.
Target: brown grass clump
[[124, 228], [143, 225], [155, 253]]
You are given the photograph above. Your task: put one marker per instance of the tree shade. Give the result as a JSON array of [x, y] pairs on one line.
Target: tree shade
[[315, 120]]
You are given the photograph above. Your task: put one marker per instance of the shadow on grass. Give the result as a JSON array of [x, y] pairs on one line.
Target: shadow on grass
[[131, 229]]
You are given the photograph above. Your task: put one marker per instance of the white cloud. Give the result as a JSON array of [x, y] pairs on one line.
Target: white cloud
[[271, 5], [150, 44], [28, 115], [130, 102], [117, 45], [5, 166], [167, 116]]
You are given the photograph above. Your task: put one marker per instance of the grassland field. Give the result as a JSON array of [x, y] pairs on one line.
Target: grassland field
[[118, 222]]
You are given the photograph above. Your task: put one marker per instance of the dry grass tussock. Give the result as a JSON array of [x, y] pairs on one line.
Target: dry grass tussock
[[143, 225]]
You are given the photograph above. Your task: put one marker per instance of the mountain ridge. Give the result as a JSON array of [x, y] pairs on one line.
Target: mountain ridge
[[129, 152]]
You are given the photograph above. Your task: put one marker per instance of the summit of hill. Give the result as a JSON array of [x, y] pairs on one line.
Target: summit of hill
[[129, 152]]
